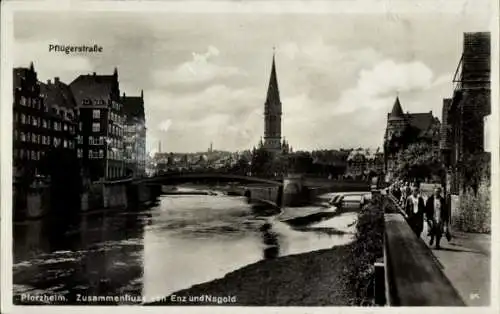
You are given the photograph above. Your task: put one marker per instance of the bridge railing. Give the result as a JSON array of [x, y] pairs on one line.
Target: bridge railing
[[409, 274]]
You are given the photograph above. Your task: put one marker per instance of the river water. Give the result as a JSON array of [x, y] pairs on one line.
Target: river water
[[182, 241]]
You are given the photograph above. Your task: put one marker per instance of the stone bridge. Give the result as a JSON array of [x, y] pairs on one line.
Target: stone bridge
[[292, 190]]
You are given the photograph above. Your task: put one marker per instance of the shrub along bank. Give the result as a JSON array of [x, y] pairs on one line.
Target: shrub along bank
[[474, 212], [365, 250]]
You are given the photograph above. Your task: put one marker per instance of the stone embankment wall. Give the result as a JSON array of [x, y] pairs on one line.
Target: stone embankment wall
[[264, 193], [36, 202]]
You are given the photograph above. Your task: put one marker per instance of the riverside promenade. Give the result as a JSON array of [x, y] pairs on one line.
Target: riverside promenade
[[466, 260]]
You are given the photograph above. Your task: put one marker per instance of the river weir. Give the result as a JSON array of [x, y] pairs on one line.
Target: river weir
[[185, 239]]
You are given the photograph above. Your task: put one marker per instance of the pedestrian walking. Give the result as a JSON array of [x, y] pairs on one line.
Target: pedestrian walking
[[437, 217], [415, 209]]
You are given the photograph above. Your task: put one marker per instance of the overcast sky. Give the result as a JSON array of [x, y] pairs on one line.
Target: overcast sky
[[205, 76]]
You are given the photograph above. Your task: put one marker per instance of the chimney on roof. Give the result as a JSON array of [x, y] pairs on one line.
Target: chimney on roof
[[142, 94], [94, 73], [49, 82], [56, 80], [123, 94]]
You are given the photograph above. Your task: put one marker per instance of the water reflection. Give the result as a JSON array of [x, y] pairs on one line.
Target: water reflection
[[101, 255], [183, 241], [271, 242]]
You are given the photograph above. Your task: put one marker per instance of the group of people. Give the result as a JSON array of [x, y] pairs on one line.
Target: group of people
[[434, 210]]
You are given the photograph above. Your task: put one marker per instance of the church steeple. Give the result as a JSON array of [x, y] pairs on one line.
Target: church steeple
[[273, 93], [272, 113], [397, 111]]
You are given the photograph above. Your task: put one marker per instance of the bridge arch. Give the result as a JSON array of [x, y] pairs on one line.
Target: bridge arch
[[193, 176]]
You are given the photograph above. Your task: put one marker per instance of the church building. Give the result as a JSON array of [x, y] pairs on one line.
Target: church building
[[272, 117]]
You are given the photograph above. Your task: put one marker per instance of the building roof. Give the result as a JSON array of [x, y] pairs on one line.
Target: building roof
[[133, 107], [93, 86], [397, 111], [57, 93], [19, 74], [23, 73], [422, 121]]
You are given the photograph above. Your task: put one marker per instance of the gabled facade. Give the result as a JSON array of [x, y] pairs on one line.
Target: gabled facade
[[30, 124], [134, 134], [101, 123]]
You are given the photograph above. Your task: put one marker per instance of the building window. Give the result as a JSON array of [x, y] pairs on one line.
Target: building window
[[80, 139], [96, 127], [65, 143], [33, 155], [65, 127], [96, 113], [79, 153], [80, 126], [23, 118], [44, 123], [101, 153]]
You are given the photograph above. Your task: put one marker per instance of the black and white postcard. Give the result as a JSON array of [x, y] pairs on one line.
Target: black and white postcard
[[249, 156]]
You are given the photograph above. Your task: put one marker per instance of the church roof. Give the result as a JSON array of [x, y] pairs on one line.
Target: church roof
[[273, 94], [422, 121], [397, 111]]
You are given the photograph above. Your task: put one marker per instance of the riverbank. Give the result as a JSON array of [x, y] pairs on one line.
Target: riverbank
[[315, 279]]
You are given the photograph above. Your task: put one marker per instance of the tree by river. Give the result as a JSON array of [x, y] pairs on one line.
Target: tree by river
[[419, 162]]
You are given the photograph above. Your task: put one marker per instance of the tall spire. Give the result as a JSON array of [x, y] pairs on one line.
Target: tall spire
[[397, 111], [273, 93]]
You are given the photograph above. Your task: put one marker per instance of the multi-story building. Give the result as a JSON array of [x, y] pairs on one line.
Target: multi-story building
[[29, 120], [134, 134], [404, 129], [101, 122], [462, 137], [363, 162], [60, 124]]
